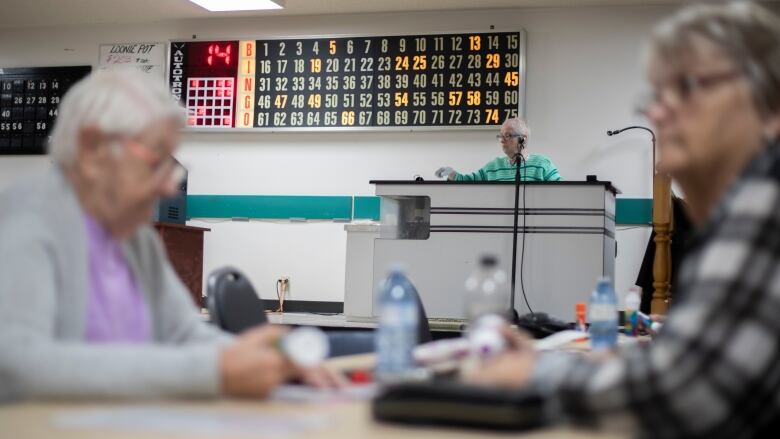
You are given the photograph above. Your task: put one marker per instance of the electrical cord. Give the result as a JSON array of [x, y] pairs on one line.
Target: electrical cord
[[518, 178], [522, 248], [522, 254], [279, 296]]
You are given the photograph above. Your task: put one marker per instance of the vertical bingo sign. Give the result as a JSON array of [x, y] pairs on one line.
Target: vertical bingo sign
[[245, 93]]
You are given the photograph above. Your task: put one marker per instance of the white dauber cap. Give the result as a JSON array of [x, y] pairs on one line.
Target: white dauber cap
[[306, 346], [485, 337]]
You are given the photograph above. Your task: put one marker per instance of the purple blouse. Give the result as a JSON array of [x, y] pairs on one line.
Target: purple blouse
[[116, 309]]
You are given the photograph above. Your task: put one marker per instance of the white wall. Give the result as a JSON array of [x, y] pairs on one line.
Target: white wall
[[583, 76]]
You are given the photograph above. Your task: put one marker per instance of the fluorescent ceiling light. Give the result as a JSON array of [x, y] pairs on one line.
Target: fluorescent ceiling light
[[239, 5]]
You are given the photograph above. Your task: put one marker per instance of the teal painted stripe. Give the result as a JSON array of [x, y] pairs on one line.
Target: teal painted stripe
[[634, 211], [366, 208], [629, 211], [269, 206]]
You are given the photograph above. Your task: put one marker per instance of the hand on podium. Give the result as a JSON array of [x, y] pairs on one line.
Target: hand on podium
[[445, 172]]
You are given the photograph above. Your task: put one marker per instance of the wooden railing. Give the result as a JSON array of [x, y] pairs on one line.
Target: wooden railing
[[663, 227]]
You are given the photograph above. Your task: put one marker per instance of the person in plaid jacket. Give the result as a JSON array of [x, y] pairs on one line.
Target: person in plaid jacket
[[714, 368]]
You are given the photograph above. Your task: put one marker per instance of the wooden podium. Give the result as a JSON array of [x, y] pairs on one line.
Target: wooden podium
[[184, 245]]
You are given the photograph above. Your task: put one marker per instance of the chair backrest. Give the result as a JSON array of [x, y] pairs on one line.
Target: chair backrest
[[234, 305], [232, 302], [423, 328]]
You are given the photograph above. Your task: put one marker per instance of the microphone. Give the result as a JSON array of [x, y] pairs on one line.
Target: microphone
[[614, 132], [520, 147], [520, 140], [636, 127]]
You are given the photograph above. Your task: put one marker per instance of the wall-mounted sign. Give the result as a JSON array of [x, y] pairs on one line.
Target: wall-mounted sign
[[146, 57], [440, 81]]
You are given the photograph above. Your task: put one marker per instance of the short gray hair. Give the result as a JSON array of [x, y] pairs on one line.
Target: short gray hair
[[746, 33], [121, 103], [518, 125]]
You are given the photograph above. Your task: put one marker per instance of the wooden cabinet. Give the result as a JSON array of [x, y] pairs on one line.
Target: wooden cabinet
[[184, 245]]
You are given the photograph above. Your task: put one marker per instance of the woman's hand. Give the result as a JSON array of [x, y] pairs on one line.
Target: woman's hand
[[251, 367], [319, 376], [657, 321], [514, 367]]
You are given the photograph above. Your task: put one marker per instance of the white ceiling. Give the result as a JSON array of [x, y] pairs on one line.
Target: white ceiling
[[34, 13]]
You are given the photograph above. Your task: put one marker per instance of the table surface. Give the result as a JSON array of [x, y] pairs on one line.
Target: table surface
[[322, 320], [344, 420], [342, 321], [350, 420]]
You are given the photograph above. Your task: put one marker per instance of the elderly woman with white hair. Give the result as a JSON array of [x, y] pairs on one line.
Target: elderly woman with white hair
[[89, 304], [714, 369], [513, 138]]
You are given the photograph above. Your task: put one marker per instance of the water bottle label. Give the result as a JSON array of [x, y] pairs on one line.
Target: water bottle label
[[398, 315], [390, 315], [602, 312]]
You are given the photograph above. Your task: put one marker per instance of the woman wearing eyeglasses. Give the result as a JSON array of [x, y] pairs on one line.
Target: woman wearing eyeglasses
[[90, 307], [513, 139], [714, 369]]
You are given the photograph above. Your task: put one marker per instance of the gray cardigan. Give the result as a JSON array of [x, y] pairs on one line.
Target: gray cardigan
[[43, 301]]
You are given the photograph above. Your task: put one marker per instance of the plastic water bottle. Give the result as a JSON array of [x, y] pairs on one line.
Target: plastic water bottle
[[486, 290], [631, 311], [486, 307], [603, 316], [397, 331]]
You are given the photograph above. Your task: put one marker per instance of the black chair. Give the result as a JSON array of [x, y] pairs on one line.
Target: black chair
[[234, 306], [424, 328], [350, 342], [232, 302]]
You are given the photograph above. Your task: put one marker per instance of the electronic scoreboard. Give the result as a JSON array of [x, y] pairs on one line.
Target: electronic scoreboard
[[373, 82], [29, 101]]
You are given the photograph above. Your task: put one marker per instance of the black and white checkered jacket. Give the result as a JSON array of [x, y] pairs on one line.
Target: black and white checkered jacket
[[714, 370]]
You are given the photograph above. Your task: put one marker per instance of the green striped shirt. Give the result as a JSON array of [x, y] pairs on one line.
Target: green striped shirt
[[537, 168]]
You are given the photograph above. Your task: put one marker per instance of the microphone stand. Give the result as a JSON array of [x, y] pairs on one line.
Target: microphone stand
[[637, 127], [518, 163]]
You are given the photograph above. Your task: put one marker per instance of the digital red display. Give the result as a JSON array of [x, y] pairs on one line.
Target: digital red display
[[212, 58], [218, 55]]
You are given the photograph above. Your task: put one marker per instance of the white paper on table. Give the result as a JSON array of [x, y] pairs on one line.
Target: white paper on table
[[183, 422], [559, 339], [308, 394]]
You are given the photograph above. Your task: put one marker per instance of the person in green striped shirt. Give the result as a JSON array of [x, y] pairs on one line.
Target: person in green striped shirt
[[535, 167]]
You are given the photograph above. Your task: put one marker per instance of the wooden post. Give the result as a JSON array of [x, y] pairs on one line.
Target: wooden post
[[662, 226]]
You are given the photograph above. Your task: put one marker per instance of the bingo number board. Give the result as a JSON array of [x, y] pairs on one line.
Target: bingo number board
[[29, 101], [351, 83]]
